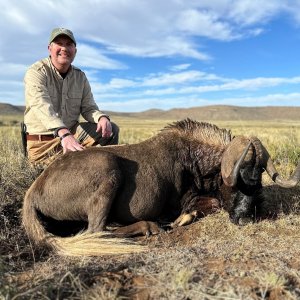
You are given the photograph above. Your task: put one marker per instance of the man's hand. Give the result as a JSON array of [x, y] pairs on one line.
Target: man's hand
[[69, 143], [104, 127]]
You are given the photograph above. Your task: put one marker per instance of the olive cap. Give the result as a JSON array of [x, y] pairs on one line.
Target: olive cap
[[61, 31]]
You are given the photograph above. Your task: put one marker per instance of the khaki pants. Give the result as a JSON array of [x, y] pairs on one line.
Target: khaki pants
[[44, 152]]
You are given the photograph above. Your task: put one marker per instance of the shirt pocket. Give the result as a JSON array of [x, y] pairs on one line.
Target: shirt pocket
[[73, 104], [54, 99]]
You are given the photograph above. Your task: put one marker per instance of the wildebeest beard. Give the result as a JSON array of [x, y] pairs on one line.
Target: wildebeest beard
[[248, 197]]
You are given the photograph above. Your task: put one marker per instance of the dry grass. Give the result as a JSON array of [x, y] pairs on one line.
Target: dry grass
[[210, 259]]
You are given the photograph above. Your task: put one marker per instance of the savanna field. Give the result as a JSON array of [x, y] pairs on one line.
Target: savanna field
[[209, 259]]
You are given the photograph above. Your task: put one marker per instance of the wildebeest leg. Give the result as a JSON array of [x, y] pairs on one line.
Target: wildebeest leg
[[101, 200], [199, 206], [206, 205], [140, 228]]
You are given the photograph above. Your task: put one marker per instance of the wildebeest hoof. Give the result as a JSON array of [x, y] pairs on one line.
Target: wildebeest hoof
[[185, 219], [145, 228]]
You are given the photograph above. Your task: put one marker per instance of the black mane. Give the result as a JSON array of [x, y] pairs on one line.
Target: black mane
[[207, 132]]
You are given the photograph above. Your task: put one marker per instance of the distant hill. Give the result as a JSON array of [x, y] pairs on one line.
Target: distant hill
[[205, 113], [220, 112], [8, 109]]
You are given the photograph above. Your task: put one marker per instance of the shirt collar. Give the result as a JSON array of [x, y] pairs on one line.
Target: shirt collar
[[56, 71]]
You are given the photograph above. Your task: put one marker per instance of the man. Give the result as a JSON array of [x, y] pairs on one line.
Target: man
[[56, 94]]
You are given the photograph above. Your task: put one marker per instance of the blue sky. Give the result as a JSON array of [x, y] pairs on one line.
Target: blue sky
[[143, 54]]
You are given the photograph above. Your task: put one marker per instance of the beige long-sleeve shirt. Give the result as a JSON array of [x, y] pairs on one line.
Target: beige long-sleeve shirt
[[53, 102]]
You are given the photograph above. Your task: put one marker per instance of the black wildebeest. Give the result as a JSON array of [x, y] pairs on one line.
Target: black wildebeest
[[136, 185]]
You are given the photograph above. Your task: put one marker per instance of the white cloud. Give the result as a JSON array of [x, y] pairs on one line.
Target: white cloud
[[253, 12], [168, 46], [111, 34], [144, 103], [292, 7], [192, 81], [180, 67], [113, 85], [91, 57], [118, 83], [176, 78], [184, 89], [204, 23], [157, 80], [257, 83], [266, 100], [11, 71], [138, 27], [229, 85]]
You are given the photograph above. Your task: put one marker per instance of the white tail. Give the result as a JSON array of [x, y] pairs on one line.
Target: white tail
[[94, 244]]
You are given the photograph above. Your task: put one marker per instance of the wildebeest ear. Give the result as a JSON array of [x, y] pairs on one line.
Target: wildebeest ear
[[238, 152]]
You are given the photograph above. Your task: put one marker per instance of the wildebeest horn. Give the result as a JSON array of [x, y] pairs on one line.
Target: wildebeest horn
[[233, 158], [275, 176]]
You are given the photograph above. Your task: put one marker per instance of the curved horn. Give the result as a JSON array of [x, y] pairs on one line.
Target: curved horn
[[231, 179], [275, 176]]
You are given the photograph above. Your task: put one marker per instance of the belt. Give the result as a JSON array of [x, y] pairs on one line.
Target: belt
[[39, 137]]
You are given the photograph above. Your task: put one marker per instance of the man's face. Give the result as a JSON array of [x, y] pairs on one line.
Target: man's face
[[62, 51]]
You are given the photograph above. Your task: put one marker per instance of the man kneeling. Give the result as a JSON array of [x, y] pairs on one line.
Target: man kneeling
[[56, 94]]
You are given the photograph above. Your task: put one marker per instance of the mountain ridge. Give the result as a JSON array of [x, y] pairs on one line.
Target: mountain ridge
[[210, 112]]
